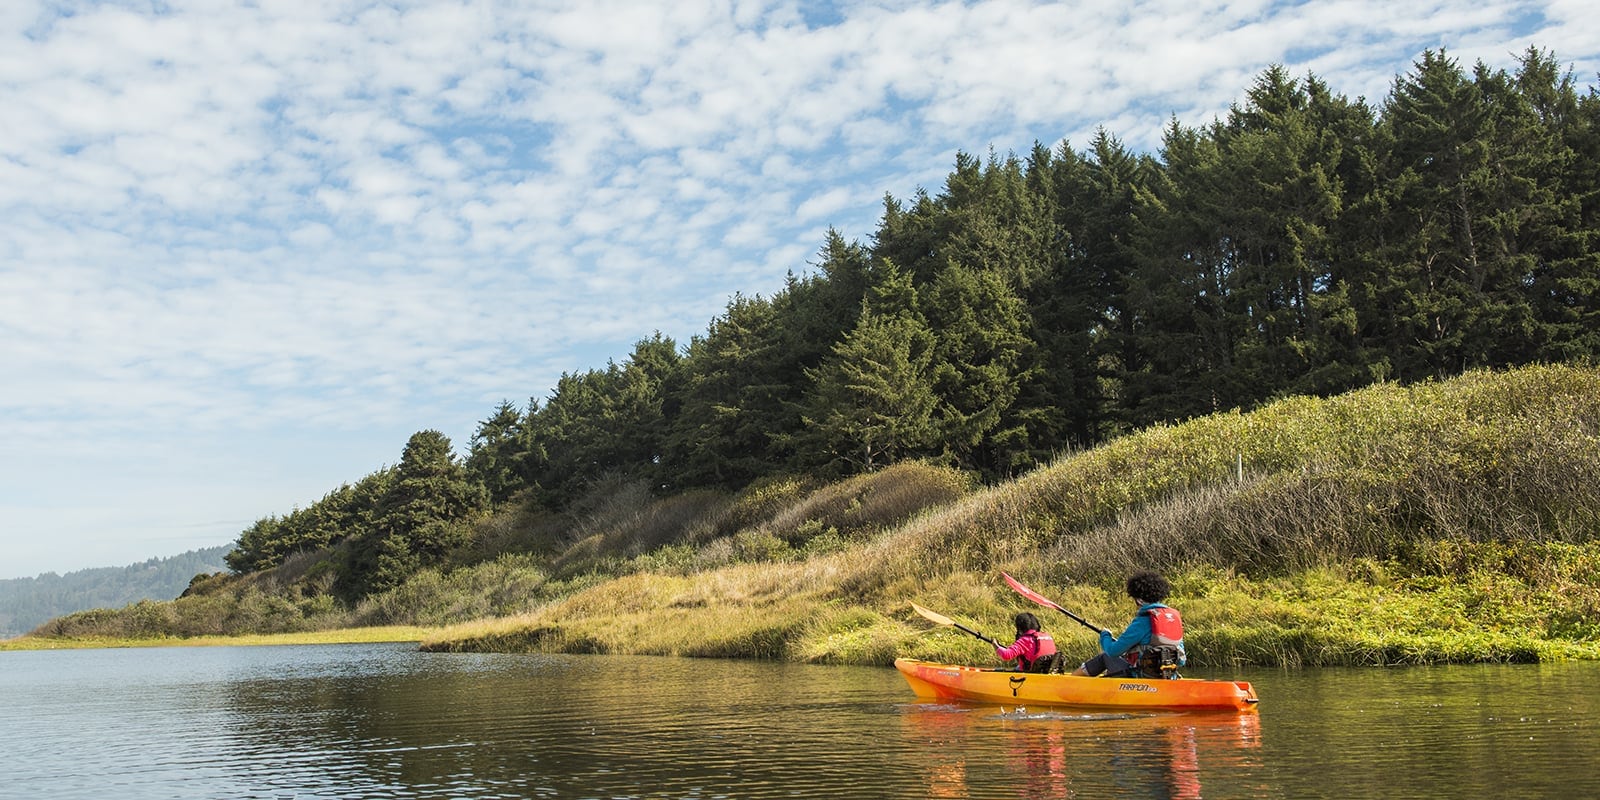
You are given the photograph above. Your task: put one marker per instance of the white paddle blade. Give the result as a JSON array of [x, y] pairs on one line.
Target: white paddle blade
[[931, 616]]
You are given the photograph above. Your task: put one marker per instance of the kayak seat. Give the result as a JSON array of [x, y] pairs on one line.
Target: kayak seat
[[1051, 664], [1159, 662]]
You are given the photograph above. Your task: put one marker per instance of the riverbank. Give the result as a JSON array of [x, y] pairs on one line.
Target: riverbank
[[1456, 603], [390, 633], [1438, 523], [1482, 603]]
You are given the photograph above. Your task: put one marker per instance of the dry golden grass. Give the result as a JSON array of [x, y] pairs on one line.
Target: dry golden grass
[[388, 633], [871, 502]]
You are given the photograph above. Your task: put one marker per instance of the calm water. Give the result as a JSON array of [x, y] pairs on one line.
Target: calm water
[[384, 721]]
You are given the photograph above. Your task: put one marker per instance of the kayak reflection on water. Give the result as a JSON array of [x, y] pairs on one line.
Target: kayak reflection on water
[[1061, 753]]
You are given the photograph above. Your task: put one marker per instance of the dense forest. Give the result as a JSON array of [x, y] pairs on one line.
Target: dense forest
[[1305, 244], [27, 602]]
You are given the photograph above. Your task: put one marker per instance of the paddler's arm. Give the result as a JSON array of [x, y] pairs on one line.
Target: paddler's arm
[[1010, 651], [1137, 633]]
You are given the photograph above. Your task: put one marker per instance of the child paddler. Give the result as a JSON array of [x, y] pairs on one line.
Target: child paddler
[[1033, 649]]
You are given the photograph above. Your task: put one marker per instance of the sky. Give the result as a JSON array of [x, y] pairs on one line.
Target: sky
[[247, 248]]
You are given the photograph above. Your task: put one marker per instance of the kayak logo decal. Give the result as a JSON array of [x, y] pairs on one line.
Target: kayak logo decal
[[1137, 687], [1016, 683]]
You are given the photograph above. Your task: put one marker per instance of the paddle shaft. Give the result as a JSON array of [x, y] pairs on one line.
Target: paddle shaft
[[975, 633], [940, 619], [1080, 620]]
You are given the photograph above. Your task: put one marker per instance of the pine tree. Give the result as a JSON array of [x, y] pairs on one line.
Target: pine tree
[[417, 521], [733, 400], [872, 401], [1176, 329], [1563, 240], [1087, 316], [982, 355], [496, 454], [1454, 195]]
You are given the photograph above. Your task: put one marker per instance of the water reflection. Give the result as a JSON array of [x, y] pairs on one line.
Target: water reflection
[[386, 721], [1041, 757], [1060, 753], [458, 726]]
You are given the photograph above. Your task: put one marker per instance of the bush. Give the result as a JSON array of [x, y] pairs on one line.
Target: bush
[[432, 597]]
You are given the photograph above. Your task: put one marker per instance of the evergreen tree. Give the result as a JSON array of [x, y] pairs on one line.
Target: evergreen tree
[[872, 400], [1455, 195], [339, 515], [1561, 240], [1087, 318], [417, 521], [650, 396], [813, 314], [914, 236], [608, 422], [982, 354], [497, 455], [733, 400], [1176, 331], [1278, 199], [996, 222]]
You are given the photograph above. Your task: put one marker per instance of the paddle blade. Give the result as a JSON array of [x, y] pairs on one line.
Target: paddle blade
[[940, 619], [1029, 593], [933, 617], [1046, 602]]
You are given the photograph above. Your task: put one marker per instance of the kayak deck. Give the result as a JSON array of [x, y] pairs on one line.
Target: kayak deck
[[952, 682]]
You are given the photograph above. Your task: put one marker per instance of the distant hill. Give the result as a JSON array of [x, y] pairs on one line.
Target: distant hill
[[25, 603]]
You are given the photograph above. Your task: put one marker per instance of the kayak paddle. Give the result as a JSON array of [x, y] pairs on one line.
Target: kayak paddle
[[1047, 602], [940, 619]]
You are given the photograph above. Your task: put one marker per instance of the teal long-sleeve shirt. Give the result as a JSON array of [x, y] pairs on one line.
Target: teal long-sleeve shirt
[[1137, 633]]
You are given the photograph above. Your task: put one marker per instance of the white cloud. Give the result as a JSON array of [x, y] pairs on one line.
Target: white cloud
[[228, 226]]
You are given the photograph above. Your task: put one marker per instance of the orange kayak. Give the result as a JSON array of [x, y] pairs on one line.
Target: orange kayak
[[950, 682]]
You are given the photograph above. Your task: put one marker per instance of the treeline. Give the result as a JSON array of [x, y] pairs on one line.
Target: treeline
[[28, 602], [1306, 244]]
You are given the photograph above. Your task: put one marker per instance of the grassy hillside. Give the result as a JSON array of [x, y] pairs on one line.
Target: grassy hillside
[[1442, 522], [1449, 521]]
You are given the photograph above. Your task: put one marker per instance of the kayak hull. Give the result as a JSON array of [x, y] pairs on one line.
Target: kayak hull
[[948, 682]]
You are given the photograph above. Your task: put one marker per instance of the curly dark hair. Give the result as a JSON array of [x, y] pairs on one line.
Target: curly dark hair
[[1026, 621], [1148, 586]]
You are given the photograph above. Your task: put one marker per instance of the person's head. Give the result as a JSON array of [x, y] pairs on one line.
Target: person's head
[[1025, 622], [1148, 587]]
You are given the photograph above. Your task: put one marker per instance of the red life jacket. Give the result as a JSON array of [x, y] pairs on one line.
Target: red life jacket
[[1166, 630], [1166, 627], [1044, 645]]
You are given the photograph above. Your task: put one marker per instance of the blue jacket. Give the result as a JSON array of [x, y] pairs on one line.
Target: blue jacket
[[1135, 635]]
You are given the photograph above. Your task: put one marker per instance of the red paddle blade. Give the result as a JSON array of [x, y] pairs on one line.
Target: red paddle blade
[[1029, 593]]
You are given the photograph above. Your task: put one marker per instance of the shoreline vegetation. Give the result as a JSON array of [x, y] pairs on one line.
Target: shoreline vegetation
[[372, 635], [1446, 521]]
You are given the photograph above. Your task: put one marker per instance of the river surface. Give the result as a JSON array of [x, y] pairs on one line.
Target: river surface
[[386, 721]]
